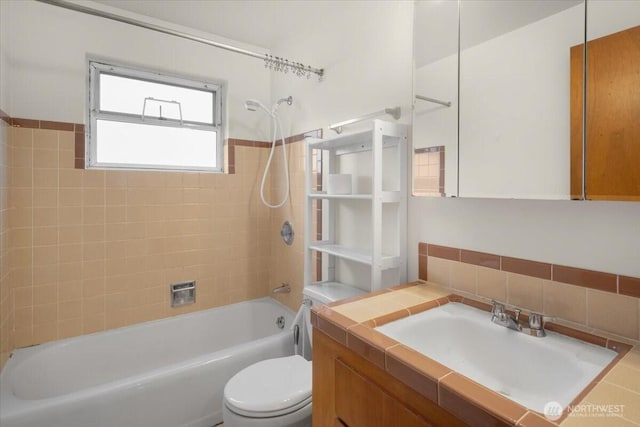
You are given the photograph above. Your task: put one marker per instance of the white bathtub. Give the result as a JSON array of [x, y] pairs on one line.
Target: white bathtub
[[169, 372]]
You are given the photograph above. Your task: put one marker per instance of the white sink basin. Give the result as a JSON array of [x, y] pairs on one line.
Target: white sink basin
[[528, 370]]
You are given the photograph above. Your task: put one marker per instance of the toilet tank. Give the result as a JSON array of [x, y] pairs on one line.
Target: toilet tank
[[326, 292]]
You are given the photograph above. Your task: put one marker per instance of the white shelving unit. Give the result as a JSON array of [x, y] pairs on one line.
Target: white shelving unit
[[382, 151]]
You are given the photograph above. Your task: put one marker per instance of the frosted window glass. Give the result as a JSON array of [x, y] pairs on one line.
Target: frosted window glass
[[127, 95], [181, 127], [148, 145]]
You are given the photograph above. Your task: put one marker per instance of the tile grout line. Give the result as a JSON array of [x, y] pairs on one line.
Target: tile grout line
[[626, 389]]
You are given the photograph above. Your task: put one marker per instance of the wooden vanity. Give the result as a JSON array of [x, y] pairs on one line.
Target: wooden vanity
[[348, 390], [362, 378]]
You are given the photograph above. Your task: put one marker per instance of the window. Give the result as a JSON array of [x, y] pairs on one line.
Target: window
[[145, 120]]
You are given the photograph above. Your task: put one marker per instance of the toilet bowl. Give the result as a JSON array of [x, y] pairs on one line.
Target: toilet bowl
[[277, 392], [273, 392]]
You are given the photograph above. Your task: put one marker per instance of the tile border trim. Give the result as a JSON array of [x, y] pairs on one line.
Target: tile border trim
[[79, 130], [41, 124], [232, 143], [608, 282]]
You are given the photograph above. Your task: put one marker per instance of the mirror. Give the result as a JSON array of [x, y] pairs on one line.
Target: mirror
[[612, 160], [435, 107], [514, 97], [515, 112]]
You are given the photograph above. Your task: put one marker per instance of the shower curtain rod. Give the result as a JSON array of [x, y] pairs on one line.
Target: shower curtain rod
[[275, 63]]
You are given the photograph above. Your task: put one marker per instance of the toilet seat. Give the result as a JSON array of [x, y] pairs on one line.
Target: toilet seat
[[270, 388]]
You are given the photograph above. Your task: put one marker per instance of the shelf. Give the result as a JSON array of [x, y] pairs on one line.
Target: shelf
[[352, 142], [387, 196], [362, 139], [383, 201], [341, 196], [352, 254]]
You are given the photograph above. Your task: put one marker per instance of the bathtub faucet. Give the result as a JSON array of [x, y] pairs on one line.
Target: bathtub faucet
[[284, 288]]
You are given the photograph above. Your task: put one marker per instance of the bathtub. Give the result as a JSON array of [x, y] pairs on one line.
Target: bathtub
[[169, 372]]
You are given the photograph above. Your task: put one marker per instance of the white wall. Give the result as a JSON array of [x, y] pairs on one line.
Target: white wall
[[366, 54], [4, 63], [603, 18], [602, 236], [514, 110], [48, 51]]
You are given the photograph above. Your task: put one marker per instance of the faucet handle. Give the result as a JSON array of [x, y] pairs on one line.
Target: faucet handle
[[497, 311], [496, 307], [535, 321], [536, 325]]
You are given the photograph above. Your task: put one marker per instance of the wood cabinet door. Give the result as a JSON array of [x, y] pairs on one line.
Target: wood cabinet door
[[361, 403], [612, 157]]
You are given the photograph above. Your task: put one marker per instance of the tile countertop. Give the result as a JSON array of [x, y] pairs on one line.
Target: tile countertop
[[612, 400]]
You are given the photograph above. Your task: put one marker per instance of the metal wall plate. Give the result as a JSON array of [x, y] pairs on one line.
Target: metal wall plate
[[287, 233], [183, 293]]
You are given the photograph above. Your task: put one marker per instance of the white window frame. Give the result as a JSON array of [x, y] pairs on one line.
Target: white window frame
[[97, 67]]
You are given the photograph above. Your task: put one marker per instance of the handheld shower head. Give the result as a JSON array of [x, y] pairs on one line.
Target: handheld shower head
[[254, 104], [250, 105]]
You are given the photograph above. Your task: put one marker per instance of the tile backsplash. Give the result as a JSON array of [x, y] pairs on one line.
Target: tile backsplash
[[599, 302], [89, 250]]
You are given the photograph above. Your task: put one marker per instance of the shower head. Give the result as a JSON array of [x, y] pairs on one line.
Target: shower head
[[254, 104]]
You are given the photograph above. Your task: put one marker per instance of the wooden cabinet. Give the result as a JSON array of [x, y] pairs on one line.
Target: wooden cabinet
[[359, 402], [353, 392], [612, 158]]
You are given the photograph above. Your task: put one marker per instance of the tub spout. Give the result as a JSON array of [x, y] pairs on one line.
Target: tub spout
[[284, 288]]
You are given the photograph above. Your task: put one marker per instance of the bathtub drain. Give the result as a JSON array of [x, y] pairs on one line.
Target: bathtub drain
[[280, 322]]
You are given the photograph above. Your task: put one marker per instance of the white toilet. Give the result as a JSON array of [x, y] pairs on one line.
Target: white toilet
[[277, 392]]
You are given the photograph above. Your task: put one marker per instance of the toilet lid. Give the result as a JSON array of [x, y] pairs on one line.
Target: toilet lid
[[270, 388]]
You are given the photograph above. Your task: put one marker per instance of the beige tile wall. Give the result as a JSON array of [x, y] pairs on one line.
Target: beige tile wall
[[287, 261], [93, 250], [604, 313]]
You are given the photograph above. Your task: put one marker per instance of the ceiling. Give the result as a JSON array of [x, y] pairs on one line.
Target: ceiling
[[263, 23], [266, 23], [480, 20]]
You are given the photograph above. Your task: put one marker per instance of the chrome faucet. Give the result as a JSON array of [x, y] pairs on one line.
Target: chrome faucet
[[501, 317], [536, 325]]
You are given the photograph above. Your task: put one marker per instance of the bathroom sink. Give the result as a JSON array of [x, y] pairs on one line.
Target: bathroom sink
[[531, 371]]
